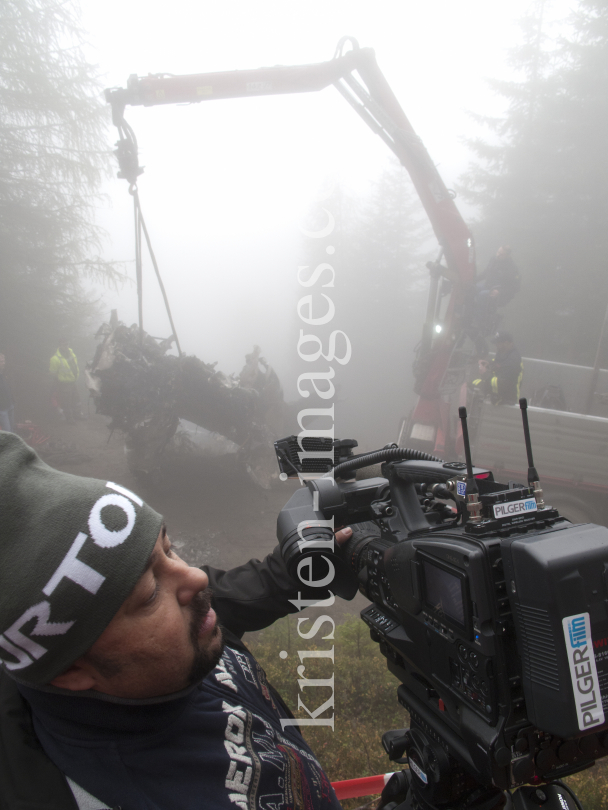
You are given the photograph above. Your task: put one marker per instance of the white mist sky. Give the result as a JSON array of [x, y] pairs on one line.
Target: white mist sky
[[227, 182]]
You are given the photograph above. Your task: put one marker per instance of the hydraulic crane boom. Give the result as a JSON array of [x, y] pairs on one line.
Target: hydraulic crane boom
[[356, 75]]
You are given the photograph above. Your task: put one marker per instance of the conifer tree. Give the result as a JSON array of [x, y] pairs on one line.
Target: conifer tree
[[541, 183], [52, 158]]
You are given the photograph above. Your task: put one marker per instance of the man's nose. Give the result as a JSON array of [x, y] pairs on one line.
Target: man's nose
[[192, 581]]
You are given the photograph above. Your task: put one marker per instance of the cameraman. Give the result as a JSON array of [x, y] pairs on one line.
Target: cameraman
[[119, 684]]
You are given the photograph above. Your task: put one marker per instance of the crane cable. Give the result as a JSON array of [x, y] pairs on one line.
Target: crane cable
[[140, 225], [127, 156]]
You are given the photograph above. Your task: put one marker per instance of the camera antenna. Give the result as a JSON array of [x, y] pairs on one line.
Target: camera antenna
[[473, 503], [533, 480]]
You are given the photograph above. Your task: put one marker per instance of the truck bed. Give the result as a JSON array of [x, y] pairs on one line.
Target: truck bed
[[569, 448]]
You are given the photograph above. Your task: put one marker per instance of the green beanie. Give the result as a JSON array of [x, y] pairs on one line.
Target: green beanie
[[71, 551]]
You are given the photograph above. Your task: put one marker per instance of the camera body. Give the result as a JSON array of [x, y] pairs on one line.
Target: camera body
[[495, 624]]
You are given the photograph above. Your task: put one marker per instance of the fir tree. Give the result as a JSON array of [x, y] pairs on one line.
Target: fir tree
[[52, 158], [541, 184]]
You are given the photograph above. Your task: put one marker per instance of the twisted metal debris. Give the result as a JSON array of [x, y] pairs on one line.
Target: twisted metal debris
[[146, 392]]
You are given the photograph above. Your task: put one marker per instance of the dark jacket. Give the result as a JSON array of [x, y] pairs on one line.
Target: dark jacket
[[246, 598], [501, 274], [502, 380]]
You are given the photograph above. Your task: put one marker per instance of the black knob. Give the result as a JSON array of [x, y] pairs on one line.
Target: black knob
[[546, 759], [523, 769], [521, 745], [502, 757]]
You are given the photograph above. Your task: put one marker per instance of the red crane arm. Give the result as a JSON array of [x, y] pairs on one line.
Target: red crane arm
[[371, 97]]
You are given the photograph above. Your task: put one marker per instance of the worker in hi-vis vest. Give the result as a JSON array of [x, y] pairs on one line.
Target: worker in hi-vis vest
[[64, 370]]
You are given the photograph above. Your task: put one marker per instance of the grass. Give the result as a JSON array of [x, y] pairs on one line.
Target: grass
[[591, 786]]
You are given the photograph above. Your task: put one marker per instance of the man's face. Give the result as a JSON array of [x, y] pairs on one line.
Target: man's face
[[165, 636]]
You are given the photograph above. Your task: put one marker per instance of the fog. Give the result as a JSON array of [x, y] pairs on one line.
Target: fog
[[231, 193], [228, 183]]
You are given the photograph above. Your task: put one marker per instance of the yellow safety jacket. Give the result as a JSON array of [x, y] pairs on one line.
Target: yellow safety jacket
[[65, 369], [503, 379]]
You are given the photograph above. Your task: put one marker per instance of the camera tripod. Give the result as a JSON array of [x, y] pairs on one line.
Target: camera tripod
[[402, 793], [435, 781]]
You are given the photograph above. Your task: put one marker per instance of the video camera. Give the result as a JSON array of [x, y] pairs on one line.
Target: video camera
[[490, 608]]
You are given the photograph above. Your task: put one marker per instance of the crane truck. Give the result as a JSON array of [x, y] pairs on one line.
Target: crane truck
[[570, 445]]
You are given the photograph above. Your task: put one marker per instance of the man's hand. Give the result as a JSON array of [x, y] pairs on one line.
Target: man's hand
[[342, 535]]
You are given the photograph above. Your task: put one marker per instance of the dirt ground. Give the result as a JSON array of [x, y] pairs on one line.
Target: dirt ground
[[215, 514]]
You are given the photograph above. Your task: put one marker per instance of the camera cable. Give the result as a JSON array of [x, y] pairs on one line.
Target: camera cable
[[390, 453]]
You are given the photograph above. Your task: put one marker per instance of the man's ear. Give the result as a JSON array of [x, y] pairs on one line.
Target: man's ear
[[76, 678]]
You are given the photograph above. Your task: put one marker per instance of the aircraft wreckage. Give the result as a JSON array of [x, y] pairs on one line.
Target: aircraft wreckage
[[157, 400]]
